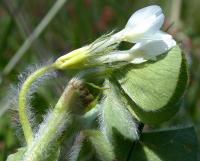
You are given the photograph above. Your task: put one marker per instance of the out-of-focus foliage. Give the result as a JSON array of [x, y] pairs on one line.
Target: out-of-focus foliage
[[167, 140], [77, 23]]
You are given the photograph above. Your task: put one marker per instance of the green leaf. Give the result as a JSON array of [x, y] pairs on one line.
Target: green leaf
[[115, 116], [17, 156], [154, 88], [172, 145], [92, 145]]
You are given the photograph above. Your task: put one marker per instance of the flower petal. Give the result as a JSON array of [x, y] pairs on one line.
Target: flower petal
[[159, 35], [142, 14], [115, 56], [146, 50], [146, 21]]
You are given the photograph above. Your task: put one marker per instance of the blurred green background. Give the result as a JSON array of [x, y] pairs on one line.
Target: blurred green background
[[77, 23]]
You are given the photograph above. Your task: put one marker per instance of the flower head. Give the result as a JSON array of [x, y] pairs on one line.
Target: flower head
[[143, 28]]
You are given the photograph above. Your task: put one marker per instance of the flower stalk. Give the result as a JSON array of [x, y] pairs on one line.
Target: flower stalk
[[55, 123], [24, 120]]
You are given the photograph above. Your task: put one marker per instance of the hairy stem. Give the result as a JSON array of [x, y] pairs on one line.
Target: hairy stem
[[24, 120], [52, 128]]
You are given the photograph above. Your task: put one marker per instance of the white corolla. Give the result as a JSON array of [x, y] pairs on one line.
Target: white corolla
[[142, 29], [142, 51]]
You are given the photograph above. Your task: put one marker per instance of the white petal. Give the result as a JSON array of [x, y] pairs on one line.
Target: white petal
[[157, 47], [150, 49], [149, 25], [140, 31], [146, 21], [159, 35], [138, 60], [143, 14], [115, 57]]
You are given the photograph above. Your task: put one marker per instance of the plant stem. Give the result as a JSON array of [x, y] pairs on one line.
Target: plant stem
[[54, 125], [26, 126]]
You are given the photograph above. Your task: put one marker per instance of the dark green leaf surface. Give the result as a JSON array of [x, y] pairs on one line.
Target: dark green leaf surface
[[172, 145], [155, 87]]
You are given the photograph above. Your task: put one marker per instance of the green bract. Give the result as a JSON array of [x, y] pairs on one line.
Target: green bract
[[116, 119], [153, 88]]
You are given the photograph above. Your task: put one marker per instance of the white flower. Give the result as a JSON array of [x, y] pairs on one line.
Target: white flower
[[142, 23], [143, 28], [142, 51], [140, 26]]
